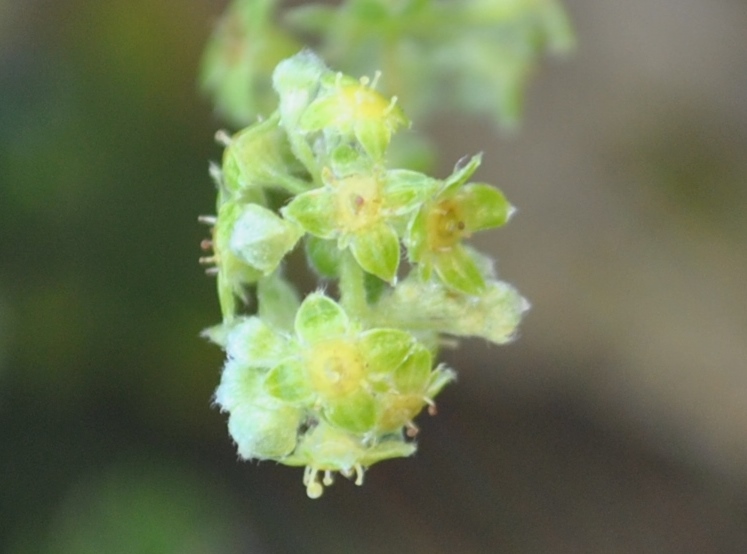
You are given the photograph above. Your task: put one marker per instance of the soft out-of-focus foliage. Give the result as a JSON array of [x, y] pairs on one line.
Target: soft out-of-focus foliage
[[437, 55], [141, 506]]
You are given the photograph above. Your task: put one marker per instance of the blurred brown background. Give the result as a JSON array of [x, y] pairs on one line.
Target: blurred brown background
[[616, 424]]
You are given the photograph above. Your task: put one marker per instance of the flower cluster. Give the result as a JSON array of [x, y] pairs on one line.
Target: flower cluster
[[335, 385]]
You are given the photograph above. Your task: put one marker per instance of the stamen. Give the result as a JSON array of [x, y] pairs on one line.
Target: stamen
[[207, 260], [328, 478], [431, 407], [212, 271], [376, 78], [412, 430], [314, 489], [359, 471], [215, 173], [390, 107], [207, 219], [223, 138], [206, 244]]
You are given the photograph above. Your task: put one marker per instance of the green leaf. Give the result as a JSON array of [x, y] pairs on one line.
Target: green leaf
[[262, 239], [319, 318], [376, 249], [288, 381], [484, 207], [457, 269], [315, 211]]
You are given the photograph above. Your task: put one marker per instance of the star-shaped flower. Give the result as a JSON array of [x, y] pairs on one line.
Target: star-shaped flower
[[361, 211], [361, 381], [352, 108], [434, 237]]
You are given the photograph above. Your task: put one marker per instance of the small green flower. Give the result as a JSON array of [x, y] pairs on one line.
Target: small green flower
[[352, 109], [434, 237], [347, 374], [361, 211], [354, 390]]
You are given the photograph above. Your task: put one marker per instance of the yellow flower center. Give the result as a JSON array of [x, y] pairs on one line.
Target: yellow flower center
[[336, 368], [362, 102], [445, 225], [358, 202]]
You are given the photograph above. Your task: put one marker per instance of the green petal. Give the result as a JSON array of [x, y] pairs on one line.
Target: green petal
[[385, 450], [412, 376], [457, 269], [323, 112], [355, 413], [440, 377], [262, 432], [320, 317], [262, 239], [463, 170], [315, 211], [405, 190], [484, 207], [252, 342], [385, 349], [288, 381], [374, 136], [323, 256], [376, 249], [416, 238]]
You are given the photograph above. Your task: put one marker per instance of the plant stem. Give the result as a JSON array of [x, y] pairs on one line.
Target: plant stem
[[352, 287]]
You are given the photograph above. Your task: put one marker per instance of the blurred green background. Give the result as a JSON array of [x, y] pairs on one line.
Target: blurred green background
[[617, 423]]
